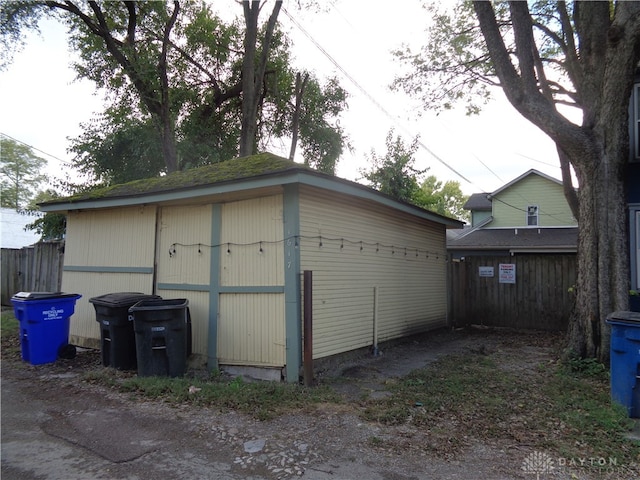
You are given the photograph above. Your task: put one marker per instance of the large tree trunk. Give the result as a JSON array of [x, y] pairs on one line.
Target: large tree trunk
[[124, 53], [603, 268], [253, 72], [602, 73]]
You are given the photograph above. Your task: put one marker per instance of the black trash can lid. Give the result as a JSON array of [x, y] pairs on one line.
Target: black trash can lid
[[624, 317], [122, 299], [160, 304], [42, 295]]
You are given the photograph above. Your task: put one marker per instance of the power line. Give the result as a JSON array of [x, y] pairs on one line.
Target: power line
[[395, 121], [36, 149], [370, 97]]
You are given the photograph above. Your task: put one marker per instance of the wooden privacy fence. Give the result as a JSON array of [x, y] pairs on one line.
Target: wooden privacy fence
[[529, 291], [37, 268]]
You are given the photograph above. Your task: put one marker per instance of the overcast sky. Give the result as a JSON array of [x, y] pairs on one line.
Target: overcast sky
[[42, 105]]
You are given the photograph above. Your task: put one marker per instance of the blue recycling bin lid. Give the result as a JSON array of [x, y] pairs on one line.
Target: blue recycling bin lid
[[27, 296], [631, 319]]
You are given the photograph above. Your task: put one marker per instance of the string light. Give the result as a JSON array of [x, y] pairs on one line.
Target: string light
[[343, 243]]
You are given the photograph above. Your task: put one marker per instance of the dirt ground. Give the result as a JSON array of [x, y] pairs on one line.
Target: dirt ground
[[54, 425]]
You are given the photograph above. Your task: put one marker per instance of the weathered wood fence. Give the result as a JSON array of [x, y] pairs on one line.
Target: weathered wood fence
[[539, 298], [37, 268]]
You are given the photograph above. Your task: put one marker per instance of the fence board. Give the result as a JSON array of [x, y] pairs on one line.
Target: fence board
[[539, 299], [36, 268]]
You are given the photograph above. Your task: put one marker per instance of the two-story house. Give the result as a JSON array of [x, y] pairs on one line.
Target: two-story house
[[529, 214]]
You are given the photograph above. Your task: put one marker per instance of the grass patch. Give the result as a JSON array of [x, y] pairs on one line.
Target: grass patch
[[564, 409], [9, 334], [262, 400]]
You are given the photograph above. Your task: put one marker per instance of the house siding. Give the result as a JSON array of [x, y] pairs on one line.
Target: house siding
[[184, 259], [251, 319], [106, 251], [510, 205], [366, 247]]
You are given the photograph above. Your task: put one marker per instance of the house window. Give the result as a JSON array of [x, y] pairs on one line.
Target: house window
[[532, 215], [634, 249]]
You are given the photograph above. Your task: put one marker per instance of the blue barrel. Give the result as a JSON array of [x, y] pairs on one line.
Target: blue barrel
[[44, 323], [625, 360]]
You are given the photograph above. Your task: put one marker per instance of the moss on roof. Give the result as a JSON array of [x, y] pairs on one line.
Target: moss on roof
[[222, 172]]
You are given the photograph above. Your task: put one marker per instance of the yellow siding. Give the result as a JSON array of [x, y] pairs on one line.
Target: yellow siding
[[122, 237], [251, 324], [510, 205], [186, 232], [84, 329], [244, 225], [251, 329], [403, 256]]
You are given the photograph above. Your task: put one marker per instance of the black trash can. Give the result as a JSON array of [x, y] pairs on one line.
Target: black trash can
[[117, 339], [162, 331]]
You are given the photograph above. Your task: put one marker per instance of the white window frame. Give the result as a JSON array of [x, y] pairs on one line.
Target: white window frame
[[634, 245], [536, 216]]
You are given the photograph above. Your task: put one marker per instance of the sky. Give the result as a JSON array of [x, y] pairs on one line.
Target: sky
[[42, 105]]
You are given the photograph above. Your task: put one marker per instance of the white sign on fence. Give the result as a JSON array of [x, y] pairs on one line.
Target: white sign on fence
[[485, 271], [507, 273]]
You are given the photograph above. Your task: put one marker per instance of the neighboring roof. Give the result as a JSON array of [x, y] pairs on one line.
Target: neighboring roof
[[518, 239], [257, 171], [482, 201], [478, 202], [533, 171]]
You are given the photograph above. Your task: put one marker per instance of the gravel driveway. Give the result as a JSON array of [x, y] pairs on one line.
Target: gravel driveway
[[54, 426]]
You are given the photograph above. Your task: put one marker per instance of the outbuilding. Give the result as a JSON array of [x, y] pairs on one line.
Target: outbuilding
[[234, 239]]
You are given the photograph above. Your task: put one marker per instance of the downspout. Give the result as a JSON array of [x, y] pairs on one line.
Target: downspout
[[376, 352]]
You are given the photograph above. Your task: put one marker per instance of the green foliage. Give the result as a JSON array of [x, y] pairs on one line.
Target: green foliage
[[16, 16], [9, 325], [262, 400], [445, 199], [9, 335], [20, 173], [115, 149], [454, 65], [589, 367], [394, 173], [203, 95], [551, 408]]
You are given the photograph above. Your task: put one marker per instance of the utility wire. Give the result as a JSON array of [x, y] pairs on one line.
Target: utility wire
[[35, 148], [370, 97], [395, 121]]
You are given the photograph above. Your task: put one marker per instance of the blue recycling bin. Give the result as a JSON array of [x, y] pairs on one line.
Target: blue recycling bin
[[625, 360], [44, 323]]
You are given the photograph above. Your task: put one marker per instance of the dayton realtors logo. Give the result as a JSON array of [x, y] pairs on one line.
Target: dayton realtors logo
[[541, 464], [538, 463]]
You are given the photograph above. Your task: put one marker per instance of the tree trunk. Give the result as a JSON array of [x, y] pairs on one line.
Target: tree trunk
[[124, 53], [253, 73], [295, 124], [597, 149]]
